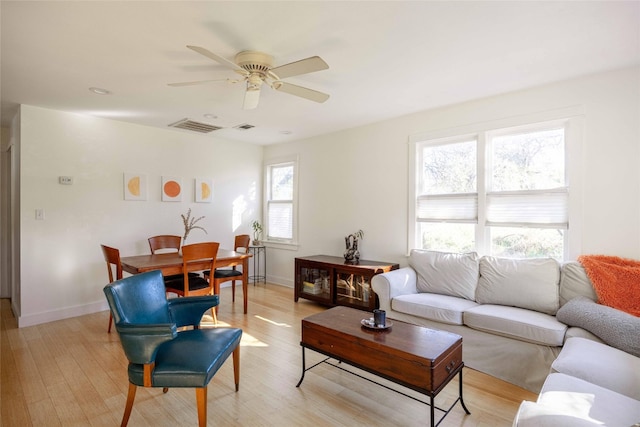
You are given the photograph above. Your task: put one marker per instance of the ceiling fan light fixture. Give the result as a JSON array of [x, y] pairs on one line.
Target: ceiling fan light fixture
[[257, 68]]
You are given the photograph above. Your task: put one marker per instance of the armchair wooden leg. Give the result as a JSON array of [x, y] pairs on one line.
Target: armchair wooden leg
[[201, 401], [110, 322], [236, 366], [129, 405]]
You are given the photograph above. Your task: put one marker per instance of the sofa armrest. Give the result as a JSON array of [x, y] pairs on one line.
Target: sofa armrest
[[392, 284]]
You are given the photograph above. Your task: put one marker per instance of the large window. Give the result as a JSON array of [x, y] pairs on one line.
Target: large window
[[280, 201], [502, 192]]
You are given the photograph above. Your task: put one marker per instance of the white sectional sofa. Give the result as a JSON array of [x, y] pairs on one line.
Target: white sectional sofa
[[503, 308], [534, 323]]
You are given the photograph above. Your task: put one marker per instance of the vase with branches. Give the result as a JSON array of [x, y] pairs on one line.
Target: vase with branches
[[190, 224]]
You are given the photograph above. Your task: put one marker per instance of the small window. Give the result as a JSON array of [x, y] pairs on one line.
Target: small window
[[281, 202]]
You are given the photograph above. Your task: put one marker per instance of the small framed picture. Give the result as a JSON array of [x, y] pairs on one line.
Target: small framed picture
[[135, 186], [204, 190], [171, 189]]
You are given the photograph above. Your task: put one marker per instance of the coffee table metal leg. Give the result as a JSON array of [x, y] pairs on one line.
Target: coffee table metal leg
[[303, 369], [461, 399], [432, 404]]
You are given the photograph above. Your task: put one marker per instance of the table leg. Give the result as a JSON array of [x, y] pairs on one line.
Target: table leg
[[245, 281], [433, 410], [303, 369], [461, 399]]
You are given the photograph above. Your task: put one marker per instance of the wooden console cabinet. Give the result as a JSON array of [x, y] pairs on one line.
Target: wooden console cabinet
[[331, 281]]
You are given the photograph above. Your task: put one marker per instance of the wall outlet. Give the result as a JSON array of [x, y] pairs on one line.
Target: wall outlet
[[65, 180], [40, 214]]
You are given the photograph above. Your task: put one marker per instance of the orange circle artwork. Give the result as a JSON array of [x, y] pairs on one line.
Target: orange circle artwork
[[172, 189]]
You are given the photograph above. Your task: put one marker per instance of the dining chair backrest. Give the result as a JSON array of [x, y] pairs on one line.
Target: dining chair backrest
[[112, 258], [242, 242], [197, 251], [164, 241]]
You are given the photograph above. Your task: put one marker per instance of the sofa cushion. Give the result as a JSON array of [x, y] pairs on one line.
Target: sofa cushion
[[574, 282], [533, 414], [568, 401], [518, 323], [524, 283], [600, 364], [441, 308], [446, 273], [616, 328]]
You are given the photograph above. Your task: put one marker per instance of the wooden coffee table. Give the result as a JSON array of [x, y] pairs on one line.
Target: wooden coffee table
[[422, 359]]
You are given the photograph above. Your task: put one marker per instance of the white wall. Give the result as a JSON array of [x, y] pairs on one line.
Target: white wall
[[357, 179], [62, 267]]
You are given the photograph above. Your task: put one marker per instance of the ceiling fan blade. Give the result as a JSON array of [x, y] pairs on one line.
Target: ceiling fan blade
[[251, 98], [304, 66], [201, 82], [217, 58], [303, 92]]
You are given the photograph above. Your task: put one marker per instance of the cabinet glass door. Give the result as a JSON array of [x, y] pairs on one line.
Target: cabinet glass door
[[353, 289], [315, 282]]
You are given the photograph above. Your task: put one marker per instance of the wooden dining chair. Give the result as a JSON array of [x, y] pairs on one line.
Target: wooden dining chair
[[194, 285], [112, 257], [232, 274], [167, 241], [164, 241]]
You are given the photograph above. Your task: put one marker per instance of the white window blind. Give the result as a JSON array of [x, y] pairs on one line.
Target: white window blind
[[280, 223], [539, 208], [449, 207]]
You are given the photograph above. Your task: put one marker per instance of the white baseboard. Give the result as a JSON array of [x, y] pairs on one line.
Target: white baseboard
[[63, 313]]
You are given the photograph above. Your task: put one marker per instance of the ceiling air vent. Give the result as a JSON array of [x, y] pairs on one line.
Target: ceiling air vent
[[244, 126], [194, 126]]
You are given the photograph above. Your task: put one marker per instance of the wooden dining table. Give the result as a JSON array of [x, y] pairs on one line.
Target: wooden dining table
[[171, 263]]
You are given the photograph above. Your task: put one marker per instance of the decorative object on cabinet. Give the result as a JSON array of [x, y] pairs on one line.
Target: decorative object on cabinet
[[351, 254], [330, 280], [135, 186]]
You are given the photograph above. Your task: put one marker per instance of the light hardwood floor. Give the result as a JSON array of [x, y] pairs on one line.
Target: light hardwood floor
[[72, 373]]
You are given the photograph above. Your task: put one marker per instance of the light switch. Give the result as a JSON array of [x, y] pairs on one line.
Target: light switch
[[40, 214], [65, 180]]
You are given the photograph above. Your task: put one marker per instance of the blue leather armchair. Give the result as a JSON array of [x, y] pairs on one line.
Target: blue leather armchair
[[159, 355]]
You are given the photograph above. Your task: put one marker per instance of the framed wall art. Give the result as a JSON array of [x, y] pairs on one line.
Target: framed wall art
[[204, 190], [135, 186], [171, 189]]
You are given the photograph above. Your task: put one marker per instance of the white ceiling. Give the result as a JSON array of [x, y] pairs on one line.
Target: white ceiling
[[386, 59]]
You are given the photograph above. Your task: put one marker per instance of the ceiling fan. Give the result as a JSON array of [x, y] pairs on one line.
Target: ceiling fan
[[256, 69]]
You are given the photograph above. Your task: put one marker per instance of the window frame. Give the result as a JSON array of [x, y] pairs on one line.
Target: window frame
[[269, 165], [571, 118]]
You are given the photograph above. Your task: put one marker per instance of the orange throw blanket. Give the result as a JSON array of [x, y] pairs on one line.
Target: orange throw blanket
[[616, 281]]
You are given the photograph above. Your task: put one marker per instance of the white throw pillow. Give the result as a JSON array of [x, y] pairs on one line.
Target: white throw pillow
[[446, 273], [524, 283]]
